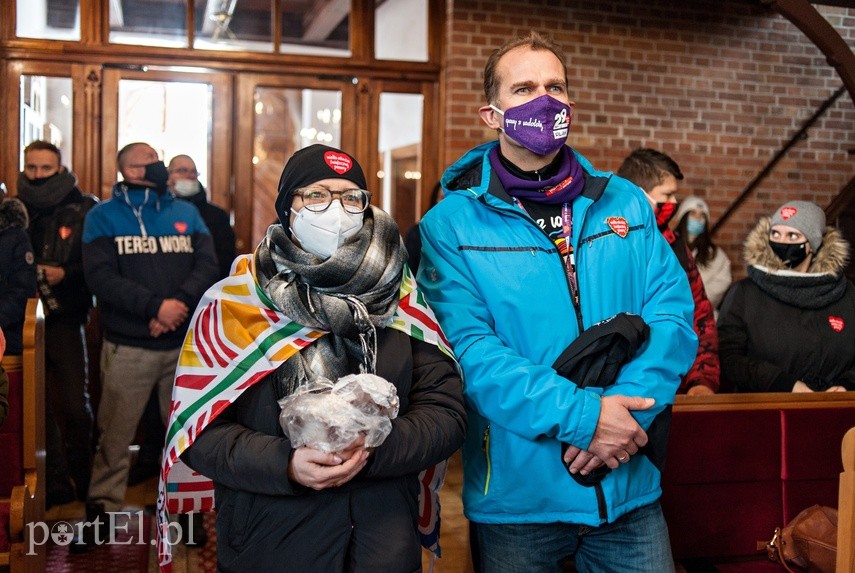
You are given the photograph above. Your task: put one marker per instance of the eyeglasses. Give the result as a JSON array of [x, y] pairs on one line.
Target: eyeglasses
[[184, 171], [318, 199]]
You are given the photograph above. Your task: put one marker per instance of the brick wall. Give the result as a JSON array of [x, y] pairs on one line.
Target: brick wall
[[720, 86]]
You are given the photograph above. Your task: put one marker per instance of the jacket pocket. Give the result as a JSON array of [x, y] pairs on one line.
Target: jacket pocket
[[241, 512]]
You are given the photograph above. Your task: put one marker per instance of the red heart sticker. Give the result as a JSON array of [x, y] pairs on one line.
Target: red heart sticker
[[180, 227], [618, 225], [64, 232], [836, 323], [788, 212], [338, 162]]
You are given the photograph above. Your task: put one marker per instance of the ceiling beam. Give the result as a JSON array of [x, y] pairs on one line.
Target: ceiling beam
[[319, 23], [823, 35]]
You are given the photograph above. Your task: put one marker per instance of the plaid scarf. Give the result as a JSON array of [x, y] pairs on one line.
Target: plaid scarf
[[349, 295], [238, 335]]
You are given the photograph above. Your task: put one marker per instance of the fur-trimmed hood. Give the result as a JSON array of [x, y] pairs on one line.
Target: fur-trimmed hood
[[831, 258], [13, 214]]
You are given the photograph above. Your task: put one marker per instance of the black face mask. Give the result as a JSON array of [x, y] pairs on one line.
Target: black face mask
[[157, 173], [791, 253], [39, 181]]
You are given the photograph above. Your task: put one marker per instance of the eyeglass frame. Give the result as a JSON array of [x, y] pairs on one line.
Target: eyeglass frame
[[184, 171], [299, 192]]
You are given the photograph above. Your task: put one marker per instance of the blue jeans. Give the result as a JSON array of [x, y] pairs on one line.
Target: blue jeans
[[636, 542]]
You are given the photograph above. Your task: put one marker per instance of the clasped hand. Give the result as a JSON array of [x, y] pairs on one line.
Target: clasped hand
[[321, 470], [617, 437]]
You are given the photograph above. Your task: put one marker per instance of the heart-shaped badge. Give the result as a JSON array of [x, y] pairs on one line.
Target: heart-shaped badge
[[836, 323], [788, 212], [618, 225], [338, 162]]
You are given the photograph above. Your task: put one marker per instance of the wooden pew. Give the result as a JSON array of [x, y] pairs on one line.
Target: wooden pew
[[846, 509], [740, 465], [26, 501]]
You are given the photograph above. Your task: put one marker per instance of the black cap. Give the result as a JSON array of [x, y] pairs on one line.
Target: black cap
[[312, 164]]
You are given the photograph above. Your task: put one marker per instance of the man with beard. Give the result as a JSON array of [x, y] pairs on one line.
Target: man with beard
[[57, 209], [148, 258]]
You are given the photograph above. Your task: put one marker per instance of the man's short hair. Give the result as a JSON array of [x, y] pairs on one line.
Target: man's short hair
[[120, 157], [648, 167], [40, 145], [534, 41]]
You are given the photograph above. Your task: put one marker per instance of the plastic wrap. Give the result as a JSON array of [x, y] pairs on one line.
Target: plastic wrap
[[330, 416]]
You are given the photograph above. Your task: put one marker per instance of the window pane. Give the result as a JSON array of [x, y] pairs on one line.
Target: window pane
[[46, 114], [321, 28], [286, 119], [173, 117], [48, 19], [148, 23], [400, 153], [401, 30], [233, 25]]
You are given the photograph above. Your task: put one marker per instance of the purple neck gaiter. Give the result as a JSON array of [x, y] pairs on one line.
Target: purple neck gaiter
[[563, 187]]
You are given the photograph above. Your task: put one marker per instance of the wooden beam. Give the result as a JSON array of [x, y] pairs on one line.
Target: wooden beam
[[327, 15], [823, 35]]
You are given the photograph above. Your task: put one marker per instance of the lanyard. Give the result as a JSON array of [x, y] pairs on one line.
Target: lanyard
[[570, 257], [565, 247]]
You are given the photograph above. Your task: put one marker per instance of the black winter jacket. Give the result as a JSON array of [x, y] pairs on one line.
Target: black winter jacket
[[56, 233], [777, 326], [17, 273], [218, 223], [267, 523]]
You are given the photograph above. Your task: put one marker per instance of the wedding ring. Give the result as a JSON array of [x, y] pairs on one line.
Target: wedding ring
[[623, 459]]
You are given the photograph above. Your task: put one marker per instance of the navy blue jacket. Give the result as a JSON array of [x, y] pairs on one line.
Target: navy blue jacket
[[139, 248], [17, 273]]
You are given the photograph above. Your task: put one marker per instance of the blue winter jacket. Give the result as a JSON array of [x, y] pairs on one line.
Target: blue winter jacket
[[498, 287], [140, 248]]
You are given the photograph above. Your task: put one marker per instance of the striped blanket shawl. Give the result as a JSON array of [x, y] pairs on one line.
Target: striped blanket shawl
[[236, 337]]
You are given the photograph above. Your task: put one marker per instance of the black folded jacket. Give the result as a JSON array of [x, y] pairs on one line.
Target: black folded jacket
[[594, 359]]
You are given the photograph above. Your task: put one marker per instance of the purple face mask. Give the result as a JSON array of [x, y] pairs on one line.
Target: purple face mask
[[540, 125]]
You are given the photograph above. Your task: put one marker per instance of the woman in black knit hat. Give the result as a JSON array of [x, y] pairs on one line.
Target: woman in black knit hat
[[335, 266], [790, 325]]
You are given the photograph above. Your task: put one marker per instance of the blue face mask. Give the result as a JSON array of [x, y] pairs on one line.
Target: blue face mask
[[695, 227]]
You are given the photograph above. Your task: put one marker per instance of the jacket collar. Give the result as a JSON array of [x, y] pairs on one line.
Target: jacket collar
[[471, 171], [831, 258]]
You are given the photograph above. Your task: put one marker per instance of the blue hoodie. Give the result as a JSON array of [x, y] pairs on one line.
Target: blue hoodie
[[139, 248], [499, 289]]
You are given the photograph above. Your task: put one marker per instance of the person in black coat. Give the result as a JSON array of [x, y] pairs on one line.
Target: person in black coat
[[335, 264], [57, 209], [17, 272], [790, 325]]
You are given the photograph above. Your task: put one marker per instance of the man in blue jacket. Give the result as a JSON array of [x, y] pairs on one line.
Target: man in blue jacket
[[530, 247], [148, 259]]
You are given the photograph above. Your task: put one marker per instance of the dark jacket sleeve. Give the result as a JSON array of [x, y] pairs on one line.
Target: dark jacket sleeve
[[73, 266], [205, 269], [706, 370], [18, 281], [241, 458], [434, 425], [224, 240], [740, 371]]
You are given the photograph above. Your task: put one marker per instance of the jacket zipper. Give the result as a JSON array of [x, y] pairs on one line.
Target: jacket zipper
[[574, 299], [601, 502], [485, 447]]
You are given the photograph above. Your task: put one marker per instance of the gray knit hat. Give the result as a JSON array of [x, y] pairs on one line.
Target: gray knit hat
[[804, 216]]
